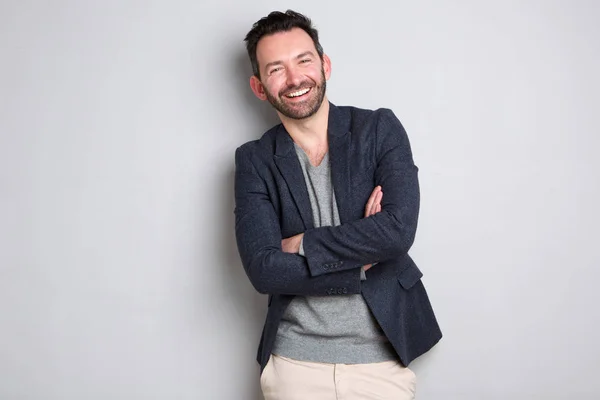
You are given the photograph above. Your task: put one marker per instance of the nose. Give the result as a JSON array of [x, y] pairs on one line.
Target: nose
[[294, 77]]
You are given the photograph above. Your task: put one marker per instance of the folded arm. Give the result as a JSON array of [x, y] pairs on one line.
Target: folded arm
[[258, 236], [294, 244], [385, 235]]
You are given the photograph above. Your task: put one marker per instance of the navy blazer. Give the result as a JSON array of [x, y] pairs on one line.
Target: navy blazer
[[366, 148]]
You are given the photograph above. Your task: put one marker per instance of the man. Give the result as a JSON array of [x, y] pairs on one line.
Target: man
[[326, 211]]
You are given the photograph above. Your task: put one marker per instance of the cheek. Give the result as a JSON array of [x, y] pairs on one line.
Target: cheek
[[273, 87], [316, 76]]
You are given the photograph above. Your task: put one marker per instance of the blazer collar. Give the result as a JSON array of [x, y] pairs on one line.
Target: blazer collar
[[339, 142]]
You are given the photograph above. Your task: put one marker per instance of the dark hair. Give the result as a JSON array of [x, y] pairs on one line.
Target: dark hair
[[275, 22]]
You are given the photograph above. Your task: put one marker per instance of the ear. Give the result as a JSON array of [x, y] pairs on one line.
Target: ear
[[257, 87], [326, 66]]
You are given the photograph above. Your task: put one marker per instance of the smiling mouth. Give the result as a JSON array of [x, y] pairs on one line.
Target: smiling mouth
[[298, 93]]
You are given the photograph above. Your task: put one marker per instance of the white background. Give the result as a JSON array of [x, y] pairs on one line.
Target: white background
[[119, 275]]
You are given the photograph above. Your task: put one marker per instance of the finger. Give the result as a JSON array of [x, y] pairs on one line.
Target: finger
[[371, 208], [379, 197], [371, 201], [377, 202], [376, 206]]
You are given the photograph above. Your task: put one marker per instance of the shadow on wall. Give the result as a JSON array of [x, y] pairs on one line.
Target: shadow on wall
[[249, 305]]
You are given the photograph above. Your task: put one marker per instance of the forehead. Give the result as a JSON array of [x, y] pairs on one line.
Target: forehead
[[283, 45]]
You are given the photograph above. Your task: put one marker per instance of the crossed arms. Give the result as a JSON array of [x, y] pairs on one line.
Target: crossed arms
[[293, 244], [334, 255]]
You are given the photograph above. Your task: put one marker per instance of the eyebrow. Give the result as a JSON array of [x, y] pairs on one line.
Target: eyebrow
[[301, 55]]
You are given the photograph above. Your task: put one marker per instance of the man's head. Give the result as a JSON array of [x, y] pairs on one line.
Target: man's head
[[290, 68]]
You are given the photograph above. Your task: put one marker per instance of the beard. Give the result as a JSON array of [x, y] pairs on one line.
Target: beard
[[305, 108]]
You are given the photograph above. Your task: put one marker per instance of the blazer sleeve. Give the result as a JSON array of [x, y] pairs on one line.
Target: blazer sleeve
[[258, 236], [385, 235]]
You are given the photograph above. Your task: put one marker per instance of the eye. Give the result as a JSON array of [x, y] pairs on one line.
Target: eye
[[276, 69], [306, 60]]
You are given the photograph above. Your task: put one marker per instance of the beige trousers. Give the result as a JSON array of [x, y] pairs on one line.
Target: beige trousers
[[287, 379]]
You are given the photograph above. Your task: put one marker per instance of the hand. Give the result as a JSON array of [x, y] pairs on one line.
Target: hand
[[374, 203], [292, 244], [373, 207]]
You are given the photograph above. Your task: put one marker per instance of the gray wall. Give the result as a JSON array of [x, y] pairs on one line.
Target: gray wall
[[119, 277]]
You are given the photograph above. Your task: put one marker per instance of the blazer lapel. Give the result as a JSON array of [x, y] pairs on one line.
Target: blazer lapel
[[339, 152], [339, 156], [289, 166]]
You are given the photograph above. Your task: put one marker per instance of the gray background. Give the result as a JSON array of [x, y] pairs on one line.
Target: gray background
[[119, 276]]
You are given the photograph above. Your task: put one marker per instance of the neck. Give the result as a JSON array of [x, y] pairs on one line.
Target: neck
[[309, 132]]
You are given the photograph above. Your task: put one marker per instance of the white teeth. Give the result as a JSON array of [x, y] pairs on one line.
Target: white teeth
[[298, 93]]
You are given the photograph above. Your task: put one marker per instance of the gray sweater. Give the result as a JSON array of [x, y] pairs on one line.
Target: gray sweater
[[329, 329]]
